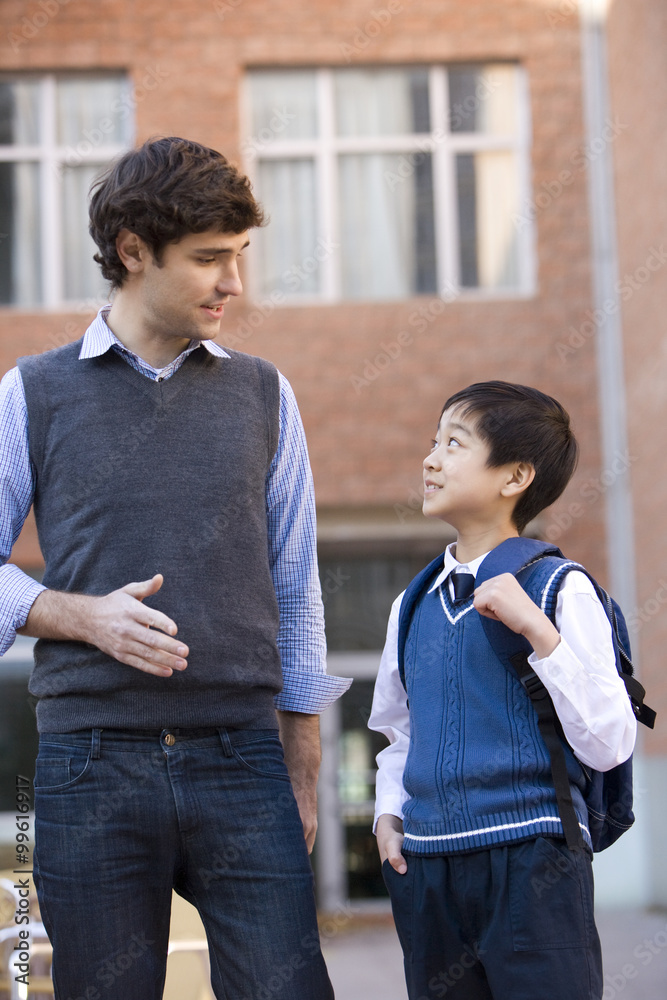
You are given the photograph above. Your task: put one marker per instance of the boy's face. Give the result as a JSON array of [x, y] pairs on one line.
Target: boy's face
[[459, 486], [184, 296]]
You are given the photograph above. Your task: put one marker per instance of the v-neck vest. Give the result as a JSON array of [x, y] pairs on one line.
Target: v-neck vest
[[135, 477], [477, 770]]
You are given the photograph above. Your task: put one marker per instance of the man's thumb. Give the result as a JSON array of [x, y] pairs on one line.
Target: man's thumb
[[145, 588]]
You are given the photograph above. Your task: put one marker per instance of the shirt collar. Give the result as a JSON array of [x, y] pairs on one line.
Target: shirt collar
[[98, 338], [452, 564]]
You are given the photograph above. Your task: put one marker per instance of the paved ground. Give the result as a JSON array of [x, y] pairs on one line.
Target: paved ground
[[365, 962]]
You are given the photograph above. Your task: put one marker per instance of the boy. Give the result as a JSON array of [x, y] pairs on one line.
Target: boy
[[181, 607], [489, 903]]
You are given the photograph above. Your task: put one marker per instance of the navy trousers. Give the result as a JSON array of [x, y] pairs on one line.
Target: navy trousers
[[122, 818], [513, 922]]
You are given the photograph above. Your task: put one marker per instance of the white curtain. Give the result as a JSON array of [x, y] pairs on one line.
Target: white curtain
[[283, 106], [377, 228], [93, 107], [496, 93], [286, 246], [373, 102], [82, 276], [26, 270], [497, 248], [26, 113]]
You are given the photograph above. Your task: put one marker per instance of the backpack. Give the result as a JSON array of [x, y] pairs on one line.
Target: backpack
[[608, 794]]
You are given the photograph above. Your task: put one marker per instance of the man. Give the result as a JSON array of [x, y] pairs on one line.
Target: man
[[180, 607]]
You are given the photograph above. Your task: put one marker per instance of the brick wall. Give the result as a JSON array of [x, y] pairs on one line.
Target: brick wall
[[366, 442]]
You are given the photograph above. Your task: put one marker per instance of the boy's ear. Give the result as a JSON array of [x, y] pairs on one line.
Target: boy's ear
[[132, 251], [519, 478]]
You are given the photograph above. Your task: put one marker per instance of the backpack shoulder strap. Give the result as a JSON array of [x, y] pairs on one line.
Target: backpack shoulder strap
[[414, 591], [533, 561]]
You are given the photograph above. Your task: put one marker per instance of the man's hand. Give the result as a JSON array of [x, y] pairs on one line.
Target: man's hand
[[118, 624], [300, 737], [504, 599], [389, 833]]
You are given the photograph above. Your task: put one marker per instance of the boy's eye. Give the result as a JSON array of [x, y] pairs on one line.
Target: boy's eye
[[451, 441], [434, 444]]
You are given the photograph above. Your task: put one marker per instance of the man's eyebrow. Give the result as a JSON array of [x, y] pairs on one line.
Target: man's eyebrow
[[211, 251]]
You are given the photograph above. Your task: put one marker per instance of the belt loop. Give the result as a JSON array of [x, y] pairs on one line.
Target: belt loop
[[95, 745], [226, 743]]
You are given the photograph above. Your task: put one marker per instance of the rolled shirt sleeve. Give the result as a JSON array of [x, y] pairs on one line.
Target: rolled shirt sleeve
[[17, 590], [293, 559]]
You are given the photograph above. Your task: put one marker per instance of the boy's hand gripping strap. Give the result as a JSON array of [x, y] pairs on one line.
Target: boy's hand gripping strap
[[512, 556]]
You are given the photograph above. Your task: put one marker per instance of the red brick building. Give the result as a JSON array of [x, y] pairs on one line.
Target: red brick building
[[426, 168]]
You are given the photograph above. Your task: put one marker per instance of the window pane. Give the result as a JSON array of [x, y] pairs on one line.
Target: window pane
[[83, 279], [388, 249], [487, 200], [283, 107], [287, 246], [93, 113], [19, 113], [483, 99], [20, 271], [381, 101]]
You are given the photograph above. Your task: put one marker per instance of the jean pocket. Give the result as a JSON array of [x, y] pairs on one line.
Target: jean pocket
[[60, 772], [262, 756], [550, 895]]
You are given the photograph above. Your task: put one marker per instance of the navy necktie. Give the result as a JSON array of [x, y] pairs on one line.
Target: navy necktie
[[464, 586]]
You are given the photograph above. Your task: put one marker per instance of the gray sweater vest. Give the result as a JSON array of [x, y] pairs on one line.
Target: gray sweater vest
[[135, 477]]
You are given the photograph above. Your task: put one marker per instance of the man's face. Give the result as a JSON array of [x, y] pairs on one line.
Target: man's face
[[185, 295]]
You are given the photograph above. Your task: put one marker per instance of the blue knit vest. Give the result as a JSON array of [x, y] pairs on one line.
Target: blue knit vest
[[477, 770]]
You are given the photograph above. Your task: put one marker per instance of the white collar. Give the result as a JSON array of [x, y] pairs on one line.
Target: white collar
[[452, 564]]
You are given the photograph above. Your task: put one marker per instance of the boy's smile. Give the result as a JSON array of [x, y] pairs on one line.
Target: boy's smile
[[459, 486]]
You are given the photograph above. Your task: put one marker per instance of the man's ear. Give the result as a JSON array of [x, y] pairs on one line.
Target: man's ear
[[519, 478], [132, 251]]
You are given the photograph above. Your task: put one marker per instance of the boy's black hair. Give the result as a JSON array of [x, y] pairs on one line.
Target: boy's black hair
[[522, 424], [163, 191]]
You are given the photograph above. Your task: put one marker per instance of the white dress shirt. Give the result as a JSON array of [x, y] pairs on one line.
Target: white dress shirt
[[580, 675]]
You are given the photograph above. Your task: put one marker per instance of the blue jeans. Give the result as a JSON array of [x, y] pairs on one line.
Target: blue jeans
[[121, 818]]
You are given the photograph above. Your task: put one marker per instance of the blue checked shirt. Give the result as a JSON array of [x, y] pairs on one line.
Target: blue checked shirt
[[290, 511]]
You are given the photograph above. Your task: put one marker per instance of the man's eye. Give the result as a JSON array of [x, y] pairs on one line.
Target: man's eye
[[207, 260]]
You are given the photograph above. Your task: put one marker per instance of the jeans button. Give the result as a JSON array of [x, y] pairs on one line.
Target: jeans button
[[170, 739]]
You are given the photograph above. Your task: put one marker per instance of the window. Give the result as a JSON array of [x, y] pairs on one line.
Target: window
[[384, 183], [56, 134]]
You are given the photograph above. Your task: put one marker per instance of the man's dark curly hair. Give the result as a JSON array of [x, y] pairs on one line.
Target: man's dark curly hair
[[162, 191]]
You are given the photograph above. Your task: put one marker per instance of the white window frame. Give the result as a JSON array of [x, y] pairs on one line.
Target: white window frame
[[51, 157], [443, 146]]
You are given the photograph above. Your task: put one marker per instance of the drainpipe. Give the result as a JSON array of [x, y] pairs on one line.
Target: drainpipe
[[609, 337]]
